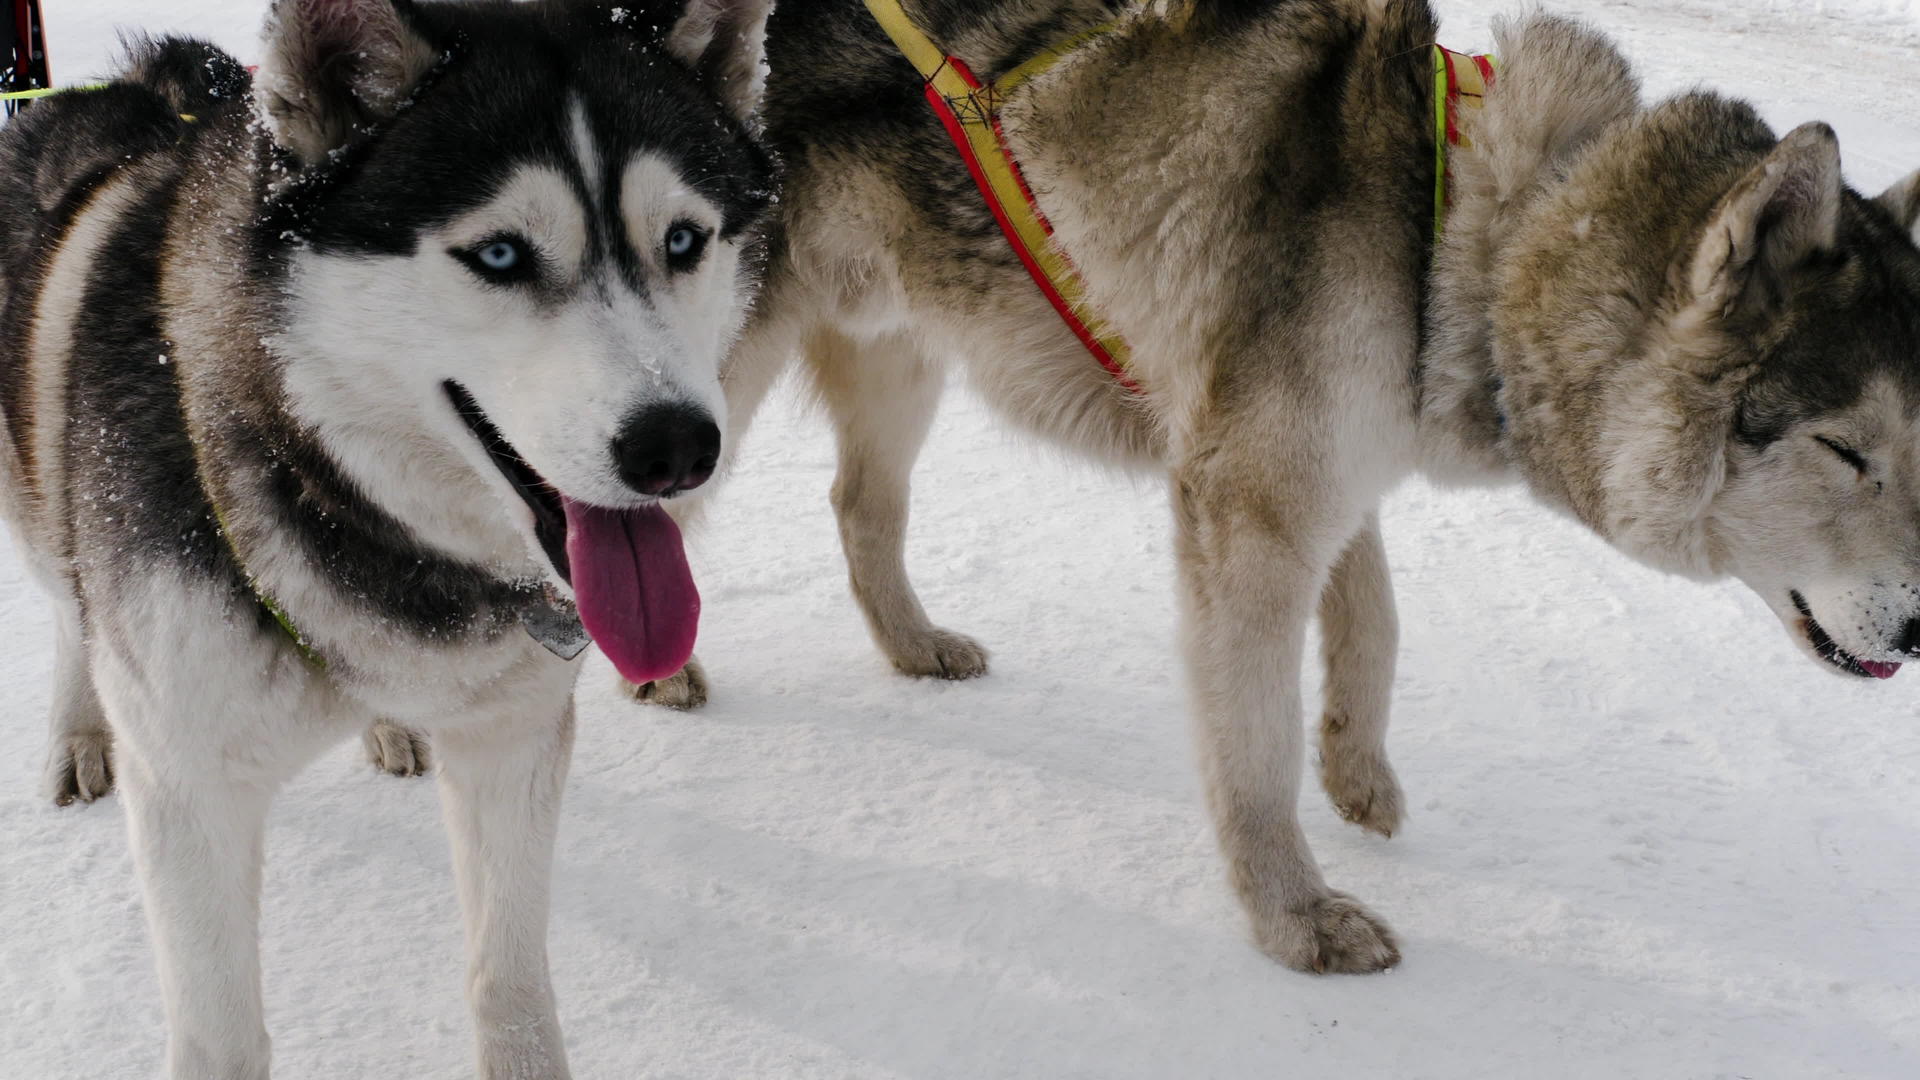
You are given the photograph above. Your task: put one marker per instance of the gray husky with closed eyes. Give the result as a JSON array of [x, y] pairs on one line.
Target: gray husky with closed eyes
[[1664, 318]]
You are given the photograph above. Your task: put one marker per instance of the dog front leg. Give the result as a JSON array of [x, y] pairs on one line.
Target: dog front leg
[[1359, 635], [198, 836], [1252, 561], [500, 790]]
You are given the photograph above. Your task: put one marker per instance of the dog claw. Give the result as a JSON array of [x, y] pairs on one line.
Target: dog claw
[[684, 689], [1334, 934], [80, 768], [1363, 790], [940, 654], [397, 751]]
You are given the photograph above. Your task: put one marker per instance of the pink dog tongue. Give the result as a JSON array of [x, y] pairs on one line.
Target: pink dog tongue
[[633, 588], [1879, 669]]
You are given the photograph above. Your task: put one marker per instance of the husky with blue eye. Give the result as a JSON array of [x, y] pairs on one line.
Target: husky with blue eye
[[353, 391]]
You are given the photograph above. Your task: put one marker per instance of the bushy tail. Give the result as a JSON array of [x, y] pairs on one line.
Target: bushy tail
[[56, 151], [192, 76]]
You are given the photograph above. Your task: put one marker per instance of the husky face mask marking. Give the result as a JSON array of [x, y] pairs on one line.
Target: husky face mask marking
[[555, 310], [1787, 450], [1821, 510], [366, 361]]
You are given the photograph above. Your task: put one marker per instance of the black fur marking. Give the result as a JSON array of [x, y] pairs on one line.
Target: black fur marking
[[189, 75], [511, 74], [368, 554], [135, 493], [54, 159], [1846, 319], [138, 498]]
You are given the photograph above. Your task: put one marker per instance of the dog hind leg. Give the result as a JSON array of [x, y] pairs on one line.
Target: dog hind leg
[[1359, 634], [882, 397], [79, 746], [1254, 548], [500, 791]]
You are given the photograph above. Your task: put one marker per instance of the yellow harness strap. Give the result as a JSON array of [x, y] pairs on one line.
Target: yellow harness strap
[[45, 91], [1458, 79], [971, 113]]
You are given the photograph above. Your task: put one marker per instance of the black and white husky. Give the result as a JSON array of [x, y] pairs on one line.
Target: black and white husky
[[352, 391]]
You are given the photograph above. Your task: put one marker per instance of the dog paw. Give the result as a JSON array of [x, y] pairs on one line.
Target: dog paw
[[1334, 934], [1363, 790], [395, 750], [80, 768], [684, 689], [940, 654]]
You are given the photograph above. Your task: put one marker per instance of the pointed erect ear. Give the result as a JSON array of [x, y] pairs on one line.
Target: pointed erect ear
[[724, 42], [331, 68], [1902, 200], [1782, 213]]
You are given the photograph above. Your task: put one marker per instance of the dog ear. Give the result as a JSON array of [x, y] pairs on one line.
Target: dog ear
[[1902, 200], [1786, 210], [332, 68], [724, 41]]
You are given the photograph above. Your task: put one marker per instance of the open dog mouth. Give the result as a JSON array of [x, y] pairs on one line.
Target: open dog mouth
[[549, 511], [628, 569], [1825, 648]]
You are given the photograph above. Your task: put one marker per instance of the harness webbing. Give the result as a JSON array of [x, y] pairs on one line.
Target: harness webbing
[[46, 91], [261, 596], [970, 111], [1458, 79]]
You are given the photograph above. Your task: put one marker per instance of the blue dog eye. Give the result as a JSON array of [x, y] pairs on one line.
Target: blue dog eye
[[680, 241], [500, 255]]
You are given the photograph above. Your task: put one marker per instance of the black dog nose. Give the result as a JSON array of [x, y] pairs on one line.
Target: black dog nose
[[1909, 641], [665, 449]]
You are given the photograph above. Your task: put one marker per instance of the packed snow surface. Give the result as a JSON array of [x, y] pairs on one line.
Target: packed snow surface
[[1648, 838]]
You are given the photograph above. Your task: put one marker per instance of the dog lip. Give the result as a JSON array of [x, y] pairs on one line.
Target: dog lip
[[549, 515], [1823, 644]]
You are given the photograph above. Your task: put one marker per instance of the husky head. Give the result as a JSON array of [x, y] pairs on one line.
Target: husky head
[[1780, 442], [517, 241]]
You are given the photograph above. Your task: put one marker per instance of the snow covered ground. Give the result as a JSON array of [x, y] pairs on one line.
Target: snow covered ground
[[1648, 839]]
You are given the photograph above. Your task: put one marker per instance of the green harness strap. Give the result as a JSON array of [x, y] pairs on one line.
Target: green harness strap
[[31, 95], [261, 596]]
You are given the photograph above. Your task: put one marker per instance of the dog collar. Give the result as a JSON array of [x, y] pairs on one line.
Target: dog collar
[[970, 111], [260, 596], [1459, 79], [548, 618]]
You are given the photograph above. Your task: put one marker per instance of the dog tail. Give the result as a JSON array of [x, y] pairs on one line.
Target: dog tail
[[53, 153], [191, 76], [1411, 20], [1561, 83]]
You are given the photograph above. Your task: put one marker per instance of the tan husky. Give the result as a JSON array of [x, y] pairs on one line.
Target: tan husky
[[1664, 319]]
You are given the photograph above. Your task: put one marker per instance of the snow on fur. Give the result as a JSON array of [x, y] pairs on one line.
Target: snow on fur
[[1647, 838]]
